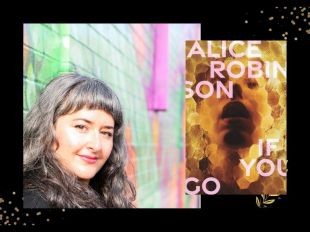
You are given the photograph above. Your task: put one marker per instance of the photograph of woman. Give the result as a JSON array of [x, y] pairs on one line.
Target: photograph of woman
[[74, 147]]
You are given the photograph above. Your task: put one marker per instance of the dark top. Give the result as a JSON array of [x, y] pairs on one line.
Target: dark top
[[33, 199]]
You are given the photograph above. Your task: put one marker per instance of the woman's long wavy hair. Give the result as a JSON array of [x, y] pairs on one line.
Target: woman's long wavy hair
[[110, 187]]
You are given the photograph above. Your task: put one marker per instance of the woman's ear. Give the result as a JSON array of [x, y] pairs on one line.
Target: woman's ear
[[55, 146]]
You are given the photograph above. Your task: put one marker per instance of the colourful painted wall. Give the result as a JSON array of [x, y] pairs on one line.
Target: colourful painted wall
[[128, 57]]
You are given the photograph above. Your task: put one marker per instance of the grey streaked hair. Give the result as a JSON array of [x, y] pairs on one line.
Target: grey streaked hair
[[67, 94]]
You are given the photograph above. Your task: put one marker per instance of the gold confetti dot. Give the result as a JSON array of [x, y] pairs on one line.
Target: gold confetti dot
[[291, 13], [297, 17], [295, 38], [17, 219], [294, 8], [63, 210], [271, 18], [15, 223], [270, 29], [12, 214], [282, 17], [4, 211], [7, 217], [1, 200], [10, 202], [305, 20], [261, 11], [303, 9], [24, 224], [32, 224], [16, 209], [293, 22], [285, 7], [286, 33], [47, 219], [27, 214], [302, 14], [246, 21], [308, 31], [299, 29], [38, 213], [13, 193]]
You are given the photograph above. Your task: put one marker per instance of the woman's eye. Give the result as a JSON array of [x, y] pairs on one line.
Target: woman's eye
[[81, 127], [108, 134], [252, 84]]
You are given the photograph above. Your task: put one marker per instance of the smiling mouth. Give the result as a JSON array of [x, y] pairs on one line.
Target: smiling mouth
[[235, 110], [89, 159]]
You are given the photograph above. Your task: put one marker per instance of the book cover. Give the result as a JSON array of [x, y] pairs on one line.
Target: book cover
[[236, 117]]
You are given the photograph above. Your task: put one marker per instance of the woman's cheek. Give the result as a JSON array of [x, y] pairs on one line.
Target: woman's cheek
[[74, 139]]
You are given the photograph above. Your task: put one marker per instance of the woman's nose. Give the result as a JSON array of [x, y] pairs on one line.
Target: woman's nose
[[94, 142], [237, 92]]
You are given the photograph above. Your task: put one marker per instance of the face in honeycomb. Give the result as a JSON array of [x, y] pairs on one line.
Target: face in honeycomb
[[234, 123], [221, 130]]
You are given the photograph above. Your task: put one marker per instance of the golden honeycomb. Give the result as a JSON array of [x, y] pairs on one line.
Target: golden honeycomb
[[205, 156]]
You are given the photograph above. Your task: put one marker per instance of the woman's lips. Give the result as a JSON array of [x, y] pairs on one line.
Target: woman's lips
[[235, 110], [89, 159], [236, 117]]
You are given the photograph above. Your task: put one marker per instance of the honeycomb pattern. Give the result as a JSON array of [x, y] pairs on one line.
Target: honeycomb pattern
[[266, 100]]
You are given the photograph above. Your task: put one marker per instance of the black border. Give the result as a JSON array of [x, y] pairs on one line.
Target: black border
[[218, 23]]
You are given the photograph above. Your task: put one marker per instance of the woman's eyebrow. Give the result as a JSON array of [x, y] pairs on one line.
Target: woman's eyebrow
[[109, 127], [90, 122], [83, 119]]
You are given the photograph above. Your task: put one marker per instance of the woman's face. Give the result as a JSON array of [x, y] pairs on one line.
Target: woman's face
[[85, 141]]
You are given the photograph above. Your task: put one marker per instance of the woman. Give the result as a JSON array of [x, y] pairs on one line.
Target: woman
[[74, 147]]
